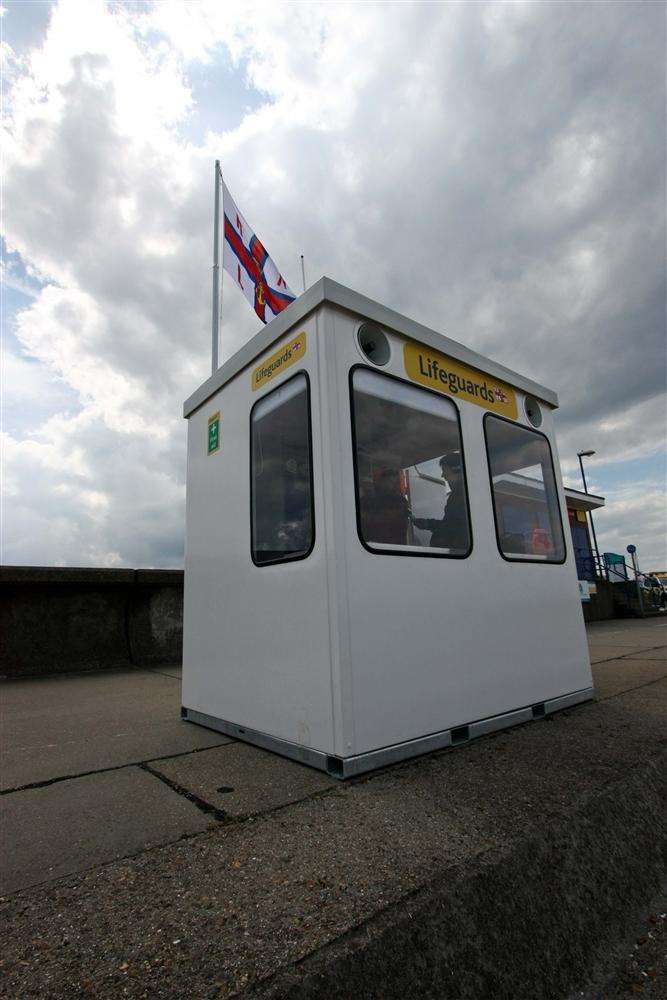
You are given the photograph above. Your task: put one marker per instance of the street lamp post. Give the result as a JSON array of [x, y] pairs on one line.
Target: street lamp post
[[580, 455]]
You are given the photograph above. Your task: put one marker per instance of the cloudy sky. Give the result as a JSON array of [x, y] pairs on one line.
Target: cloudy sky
[[495, 171]]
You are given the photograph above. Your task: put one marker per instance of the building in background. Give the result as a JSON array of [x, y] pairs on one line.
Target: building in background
[[579, 507]]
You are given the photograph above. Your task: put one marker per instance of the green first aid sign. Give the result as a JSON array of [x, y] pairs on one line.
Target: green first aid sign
[[213, 433]]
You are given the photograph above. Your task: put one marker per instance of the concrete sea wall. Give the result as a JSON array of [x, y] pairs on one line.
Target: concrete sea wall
[[54, 620]]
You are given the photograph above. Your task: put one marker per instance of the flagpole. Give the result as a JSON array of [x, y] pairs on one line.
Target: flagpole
[[215, 333], [221, 282]]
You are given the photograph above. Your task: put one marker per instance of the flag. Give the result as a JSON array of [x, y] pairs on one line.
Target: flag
[[248, 263]]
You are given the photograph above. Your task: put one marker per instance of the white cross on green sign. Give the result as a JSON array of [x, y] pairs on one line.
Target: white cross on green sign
[[214, 433]]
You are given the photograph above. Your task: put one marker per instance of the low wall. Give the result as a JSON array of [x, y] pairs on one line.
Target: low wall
[[54, 620], [601, 605], [528, 921]]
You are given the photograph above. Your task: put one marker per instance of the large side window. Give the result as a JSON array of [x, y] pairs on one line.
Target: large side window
[[525, 501], [281, 493], [409, 469]]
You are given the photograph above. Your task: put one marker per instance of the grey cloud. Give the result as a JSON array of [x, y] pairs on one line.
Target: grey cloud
[[125, 507], [631, 431], [635, 515], [499, 174], [468, 192]]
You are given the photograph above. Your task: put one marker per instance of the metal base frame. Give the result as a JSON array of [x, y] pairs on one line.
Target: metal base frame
[[348, 767]]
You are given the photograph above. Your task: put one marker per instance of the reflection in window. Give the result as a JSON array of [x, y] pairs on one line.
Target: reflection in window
[[528, 521], [410, 478], [281, 476]]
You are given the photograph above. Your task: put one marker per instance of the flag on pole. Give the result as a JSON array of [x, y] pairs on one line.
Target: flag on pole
[[245, 259]]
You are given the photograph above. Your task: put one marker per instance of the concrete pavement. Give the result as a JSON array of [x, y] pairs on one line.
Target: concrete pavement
[[199, 866], [72, 724], [623, 637], [76, 824]]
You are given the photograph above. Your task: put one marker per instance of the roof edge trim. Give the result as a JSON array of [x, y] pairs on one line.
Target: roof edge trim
[[327, 290]]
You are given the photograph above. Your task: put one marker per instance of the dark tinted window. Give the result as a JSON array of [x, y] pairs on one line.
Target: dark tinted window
[[410, 477], [281, 474], [528, 523]]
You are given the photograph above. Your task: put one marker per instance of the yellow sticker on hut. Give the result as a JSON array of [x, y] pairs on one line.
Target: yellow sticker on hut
[[439, 372], [287, 355]]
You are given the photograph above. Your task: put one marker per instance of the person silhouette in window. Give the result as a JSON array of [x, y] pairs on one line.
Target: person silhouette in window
[[386, 515], [451, 530]]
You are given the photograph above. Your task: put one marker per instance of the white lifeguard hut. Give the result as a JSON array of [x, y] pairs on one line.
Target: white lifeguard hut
[[376, 560]]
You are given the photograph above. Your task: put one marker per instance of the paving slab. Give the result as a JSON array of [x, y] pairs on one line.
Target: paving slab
[[646, 638], [650, 654], [616, 676], [62, 725], [626, 625], [232, 911], [633, 634], [73, 825], [243, 780], [175, 670], [598, 654]]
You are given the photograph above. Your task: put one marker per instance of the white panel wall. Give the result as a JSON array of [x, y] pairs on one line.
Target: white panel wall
[[437, 643], [256, 639]]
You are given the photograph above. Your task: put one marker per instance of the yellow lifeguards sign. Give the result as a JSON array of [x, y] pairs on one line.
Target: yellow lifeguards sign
[[439, 372], [285, 356]]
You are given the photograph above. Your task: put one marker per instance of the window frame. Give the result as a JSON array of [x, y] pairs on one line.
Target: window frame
[[404, 550], [301, 555], [526, 559]]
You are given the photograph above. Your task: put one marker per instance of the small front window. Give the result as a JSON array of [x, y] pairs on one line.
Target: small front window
[[410, 474], [525, 500], [282, 518]]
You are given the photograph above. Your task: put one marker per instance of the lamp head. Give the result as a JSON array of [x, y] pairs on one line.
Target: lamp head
[[585, 454]]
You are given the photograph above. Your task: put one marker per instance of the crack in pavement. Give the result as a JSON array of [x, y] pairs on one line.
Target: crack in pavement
[[624, 656], [197, 800], [619, 694], [114, 767]]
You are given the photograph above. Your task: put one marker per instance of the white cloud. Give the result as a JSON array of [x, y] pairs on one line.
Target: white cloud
[[633, 431], [635, 514], [32, 392], [496, 171]]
